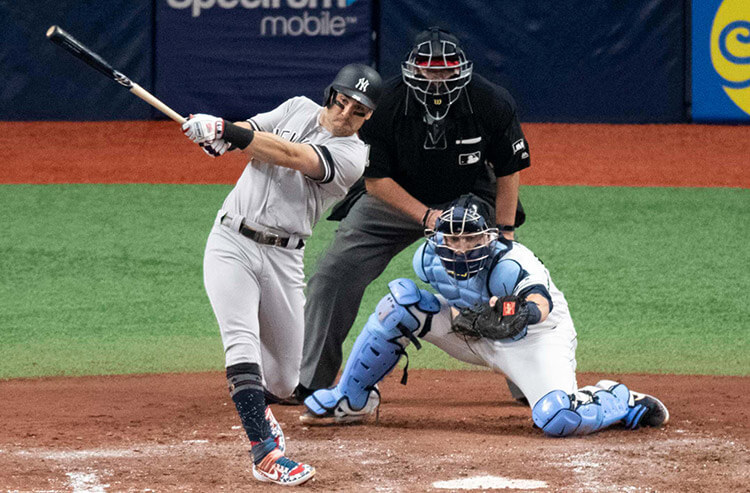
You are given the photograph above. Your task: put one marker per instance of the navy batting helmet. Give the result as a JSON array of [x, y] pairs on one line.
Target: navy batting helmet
[[462, 239], [436, 70], [360, 82]]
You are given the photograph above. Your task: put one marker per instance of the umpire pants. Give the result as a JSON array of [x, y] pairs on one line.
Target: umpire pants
[[370, 235]]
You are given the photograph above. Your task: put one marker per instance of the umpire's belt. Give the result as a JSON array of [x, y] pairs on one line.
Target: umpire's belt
[[264, 238]]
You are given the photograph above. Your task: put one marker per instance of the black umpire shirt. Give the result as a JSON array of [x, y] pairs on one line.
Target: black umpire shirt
[[481, 131]]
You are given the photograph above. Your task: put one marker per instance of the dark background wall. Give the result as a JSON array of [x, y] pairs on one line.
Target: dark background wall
[[577, 61], [573, 61], [39, 81]]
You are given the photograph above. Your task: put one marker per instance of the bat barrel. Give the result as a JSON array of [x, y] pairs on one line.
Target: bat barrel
[[78, 50], [58, 36]]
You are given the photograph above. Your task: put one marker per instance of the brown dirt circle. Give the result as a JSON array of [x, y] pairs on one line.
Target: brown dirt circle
[[176, 432]]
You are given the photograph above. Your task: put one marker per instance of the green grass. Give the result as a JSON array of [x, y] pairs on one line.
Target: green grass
[[105, 279]]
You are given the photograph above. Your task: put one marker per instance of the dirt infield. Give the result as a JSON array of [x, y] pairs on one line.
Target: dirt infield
[[180, 433], [561, 154]]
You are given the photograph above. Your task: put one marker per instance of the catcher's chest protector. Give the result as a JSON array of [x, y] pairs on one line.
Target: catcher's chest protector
[[468, 293]]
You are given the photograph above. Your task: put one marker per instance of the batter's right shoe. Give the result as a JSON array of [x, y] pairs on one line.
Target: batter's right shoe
[[341, 413], [276, 468], [644, 409]]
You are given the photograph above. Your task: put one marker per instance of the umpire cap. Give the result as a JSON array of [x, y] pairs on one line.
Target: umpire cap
[[360, 82]]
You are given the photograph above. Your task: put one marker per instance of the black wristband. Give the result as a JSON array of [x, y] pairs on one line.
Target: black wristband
[[505, 227], [237, 136], [535, 314], [424, 218]]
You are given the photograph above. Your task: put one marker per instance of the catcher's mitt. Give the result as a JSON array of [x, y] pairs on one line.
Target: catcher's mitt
[[508, 319]]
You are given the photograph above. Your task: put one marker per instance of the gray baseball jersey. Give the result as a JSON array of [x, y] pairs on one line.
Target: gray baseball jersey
[[284, 199], [257, 290]]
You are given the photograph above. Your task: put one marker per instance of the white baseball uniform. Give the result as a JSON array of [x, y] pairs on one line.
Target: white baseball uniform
[[542, 361], [256, 289]]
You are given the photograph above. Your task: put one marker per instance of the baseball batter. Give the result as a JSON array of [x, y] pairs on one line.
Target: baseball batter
[[304, 157], [497, 307]]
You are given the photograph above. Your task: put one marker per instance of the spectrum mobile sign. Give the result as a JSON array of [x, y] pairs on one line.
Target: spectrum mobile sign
[[283, 17], [236, 58]]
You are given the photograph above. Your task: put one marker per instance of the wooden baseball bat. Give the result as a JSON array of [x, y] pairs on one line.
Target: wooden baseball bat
[[83, 53]]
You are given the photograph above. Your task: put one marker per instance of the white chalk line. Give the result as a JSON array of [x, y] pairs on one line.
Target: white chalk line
[[490, 483], [86, 482]]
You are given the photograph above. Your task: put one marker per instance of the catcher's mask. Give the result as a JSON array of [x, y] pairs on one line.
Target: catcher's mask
[[436, 70], [462, 240]]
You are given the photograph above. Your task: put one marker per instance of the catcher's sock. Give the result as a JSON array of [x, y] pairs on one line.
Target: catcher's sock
[[262, 449], [251, 406]]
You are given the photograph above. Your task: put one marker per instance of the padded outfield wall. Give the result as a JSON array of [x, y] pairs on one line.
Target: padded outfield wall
[[578, 61]]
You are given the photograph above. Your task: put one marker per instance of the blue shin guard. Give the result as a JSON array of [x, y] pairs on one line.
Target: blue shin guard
[[588, 410], [379, 346]]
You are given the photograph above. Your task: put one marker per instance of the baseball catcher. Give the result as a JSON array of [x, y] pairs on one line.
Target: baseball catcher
[[496, 307]]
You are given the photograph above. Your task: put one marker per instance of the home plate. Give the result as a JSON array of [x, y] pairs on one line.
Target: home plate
[[489, 483]]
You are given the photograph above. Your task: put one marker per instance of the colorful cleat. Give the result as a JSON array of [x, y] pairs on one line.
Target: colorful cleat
[[342, 413], [276, 468], [276, 432]]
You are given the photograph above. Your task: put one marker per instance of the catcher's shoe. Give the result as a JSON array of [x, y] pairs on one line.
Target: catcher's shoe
[[341, 413], [276, 432], [276, 468], [644, 409]]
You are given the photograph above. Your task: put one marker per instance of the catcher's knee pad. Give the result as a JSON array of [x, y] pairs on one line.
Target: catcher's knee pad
[[383, 339], [588, 410]]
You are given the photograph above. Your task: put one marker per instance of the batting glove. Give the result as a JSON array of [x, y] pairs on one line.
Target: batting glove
[[203, 129], [216, 148]]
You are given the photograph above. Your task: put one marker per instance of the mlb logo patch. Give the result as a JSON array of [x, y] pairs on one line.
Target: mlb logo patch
[[469, 158], [518, 146], [509, 308]]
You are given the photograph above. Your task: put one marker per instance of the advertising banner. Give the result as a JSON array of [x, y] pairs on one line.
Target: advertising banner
[[721, 60], [40, 81], [236, 58], [609, 61]]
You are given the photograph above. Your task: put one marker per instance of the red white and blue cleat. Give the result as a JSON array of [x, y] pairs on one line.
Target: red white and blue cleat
[[276, 432], [276, 468]]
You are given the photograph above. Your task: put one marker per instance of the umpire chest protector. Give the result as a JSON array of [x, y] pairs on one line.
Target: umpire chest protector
[[438, 162]]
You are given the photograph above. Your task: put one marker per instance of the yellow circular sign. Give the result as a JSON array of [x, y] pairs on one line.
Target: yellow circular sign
[[730, 50]]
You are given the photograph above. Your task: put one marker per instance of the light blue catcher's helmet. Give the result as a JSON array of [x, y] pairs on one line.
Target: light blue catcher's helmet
[[462, 239]]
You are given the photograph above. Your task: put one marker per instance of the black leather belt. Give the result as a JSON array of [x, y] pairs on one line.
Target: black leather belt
[[266, 238]]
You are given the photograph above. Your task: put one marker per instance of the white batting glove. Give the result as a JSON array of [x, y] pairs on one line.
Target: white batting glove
[[216, 148], [203, 129]]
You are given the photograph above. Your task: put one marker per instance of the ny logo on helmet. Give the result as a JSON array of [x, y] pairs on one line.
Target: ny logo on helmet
[[362, 84]]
